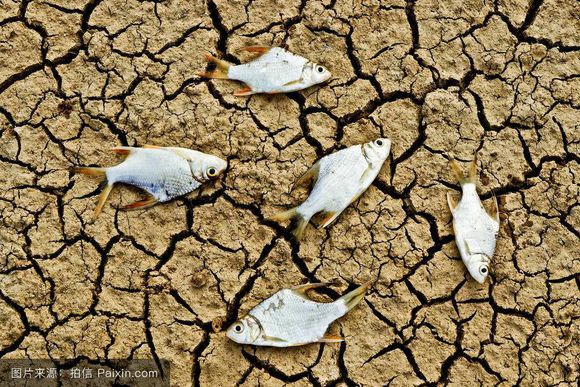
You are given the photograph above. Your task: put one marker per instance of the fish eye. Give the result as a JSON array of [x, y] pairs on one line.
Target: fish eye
[[379, 142], [320, 69], [483, 270], [212, 172], [239, 328]]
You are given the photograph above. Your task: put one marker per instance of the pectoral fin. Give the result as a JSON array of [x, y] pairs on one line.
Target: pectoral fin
[[467, 249], [297, 81], [365, 174], [274, 339], [311, 175], [330, 338]]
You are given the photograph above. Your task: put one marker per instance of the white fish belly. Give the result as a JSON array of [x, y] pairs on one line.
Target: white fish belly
[[161, 173], [339, 182], [294, 319]]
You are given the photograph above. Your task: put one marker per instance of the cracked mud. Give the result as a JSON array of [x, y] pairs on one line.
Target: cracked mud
[[500, 78]]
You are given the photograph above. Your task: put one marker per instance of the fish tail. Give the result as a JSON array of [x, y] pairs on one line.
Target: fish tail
[[301, 224], [221, 70], [472, 173], [458, 173], [351, 299], [292, 214]]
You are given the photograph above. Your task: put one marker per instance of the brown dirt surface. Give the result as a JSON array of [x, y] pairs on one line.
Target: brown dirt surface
[[500, 78]]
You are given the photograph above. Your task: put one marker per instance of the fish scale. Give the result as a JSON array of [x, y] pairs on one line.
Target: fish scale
[[471, 221], [289, 318], [295, 316], [338, 180], [161, 173], [275, 70], [475, 230]]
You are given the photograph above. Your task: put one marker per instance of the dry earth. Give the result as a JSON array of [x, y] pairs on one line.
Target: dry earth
[[497, 77]]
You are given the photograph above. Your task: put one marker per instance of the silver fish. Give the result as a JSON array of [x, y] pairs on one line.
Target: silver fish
[[339, 179], [475, 230], [275, 71], [163, 172], [289, 318]]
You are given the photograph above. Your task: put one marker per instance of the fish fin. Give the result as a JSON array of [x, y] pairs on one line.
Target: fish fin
[[147, 146], [284, 216], [292, 214], [351, 299], [472, 173], [92, 171], [102, 199], [256, 49], [456, 171], [244, 92], [221, 71], [301, 224], [301, 290], [292, 82], [310, 175], [329, 217], [272, 338], [331, 338], [495, 212], [121, 150], [450, 202], [216, 74], [467, 247], [140, 204], [365, 174]]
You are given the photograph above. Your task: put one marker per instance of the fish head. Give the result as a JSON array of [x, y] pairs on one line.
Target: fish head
[[245, 331], [314, 74], [212, 167], [203, 166], [478, 267], [377, 151]]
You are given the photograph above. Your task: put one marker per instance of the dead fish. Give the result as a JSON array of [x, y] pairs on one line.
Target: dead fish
[[274, 71], [289, 318], [339, 179], [163, 172], [475, 230]]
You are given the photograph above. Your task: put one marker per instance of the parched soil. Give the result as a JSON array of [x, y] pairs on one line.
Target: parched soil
[[500, 78]]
